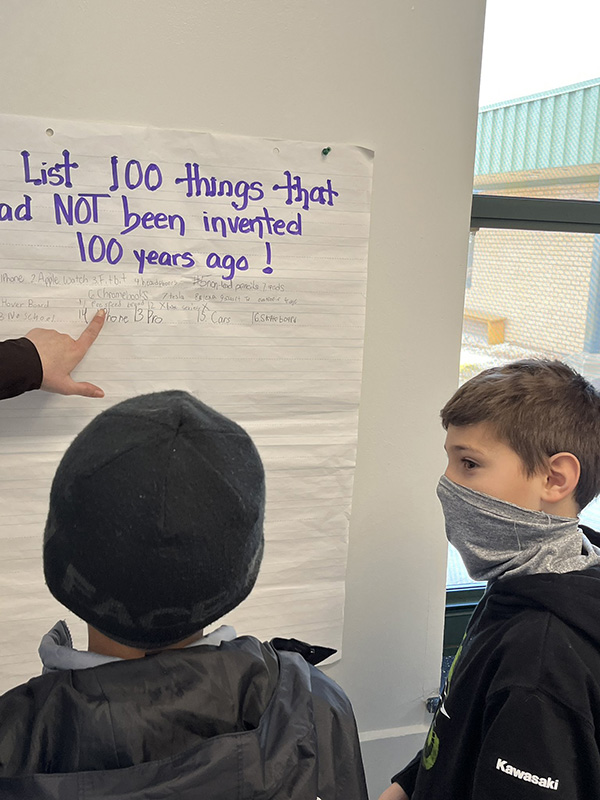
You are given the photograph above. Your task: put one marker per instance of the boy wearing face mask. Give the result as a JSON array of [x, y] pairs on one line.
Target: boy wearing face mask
[[520, 714]]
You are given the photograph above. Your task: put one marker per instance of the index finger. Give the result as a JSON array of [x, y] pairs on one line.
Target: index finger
[[90, 334]]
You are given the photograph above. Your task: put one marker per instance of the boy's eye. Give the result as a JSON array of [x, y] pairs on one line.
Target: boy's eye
[[468, 464]]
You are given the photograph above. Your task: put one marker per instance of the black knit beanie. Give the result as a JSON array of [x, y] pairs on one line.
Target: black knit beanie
[[155, 527]]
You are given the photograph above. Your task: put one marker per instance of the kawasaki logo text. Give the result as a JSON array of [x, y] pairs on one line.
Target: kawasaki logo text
[[508, 769]]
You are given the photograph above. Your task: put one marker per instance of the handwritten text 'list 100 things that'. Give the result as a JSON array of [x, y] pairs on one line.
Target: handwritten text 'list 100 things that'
[[232, 267]]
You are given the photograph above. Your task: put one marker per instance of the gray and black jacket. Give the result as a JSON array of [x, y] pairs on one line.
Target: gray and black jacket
[[238, 720]]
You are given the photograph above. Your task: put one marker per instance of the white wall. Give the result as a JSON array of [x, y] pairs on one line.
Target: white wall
[[398, 76]]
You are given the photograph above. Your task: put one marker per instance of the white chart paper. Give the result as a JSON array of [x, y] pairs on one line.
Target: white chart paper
[[231, 267]]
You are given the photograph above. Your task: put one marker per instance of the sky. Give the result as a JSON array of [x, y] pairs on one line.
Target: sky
[[531, 46]]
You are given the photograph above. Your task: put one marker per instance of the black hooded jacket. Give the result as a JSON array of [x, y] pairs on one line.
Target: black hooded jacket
[[520, 715], [226, 722]]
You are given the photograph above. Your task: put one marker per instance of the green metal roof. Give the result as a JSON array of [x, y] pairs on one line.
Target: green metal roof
[[558, 128]]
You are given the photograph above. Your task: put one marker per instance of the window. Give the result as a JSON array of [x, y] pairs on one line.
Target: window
[[533, 272], [533, 291]]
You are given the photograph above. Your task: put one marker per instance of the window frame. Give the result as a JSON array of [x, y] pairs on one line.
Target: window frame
[[535, 214]]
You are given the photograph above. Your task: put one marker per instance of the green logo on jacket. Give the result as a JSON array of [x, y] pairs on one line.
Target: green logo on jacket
[[432, 744]]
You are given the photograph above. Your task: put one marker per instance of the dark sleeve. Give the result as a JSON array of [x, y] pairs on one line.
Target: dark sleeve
[[533, 742], [407, 777], [341, 772], [20, 367], [591, 534]]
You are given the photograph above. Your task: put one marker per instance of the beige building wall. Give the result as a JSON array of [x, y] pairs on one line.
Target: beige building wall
[[538, 281]]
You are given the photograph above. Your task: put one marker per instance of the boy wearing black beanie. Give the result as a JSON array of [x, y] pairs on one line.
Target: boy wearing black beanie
[[155, 530]]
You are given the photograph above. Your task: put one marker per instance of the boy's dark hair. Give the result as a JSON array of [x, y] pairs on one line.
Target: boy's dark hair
[[538, 408]]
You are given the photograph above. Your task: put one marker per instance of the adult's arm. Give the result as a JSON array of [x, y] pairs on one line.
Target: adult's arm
[[20, 367], [44, 359]]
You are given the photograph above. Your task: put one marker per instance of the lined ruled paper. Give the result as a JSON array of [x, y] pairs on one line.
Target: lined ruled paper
[[252, 301]]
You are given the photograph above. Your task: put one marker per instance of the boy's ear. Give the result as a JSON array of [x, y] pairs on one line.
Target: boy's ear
[[562, 477]]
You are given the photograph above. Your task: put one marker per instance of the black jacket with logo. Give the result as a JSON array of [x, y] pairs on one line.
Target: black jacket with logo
[[226, 722], [520, 715]]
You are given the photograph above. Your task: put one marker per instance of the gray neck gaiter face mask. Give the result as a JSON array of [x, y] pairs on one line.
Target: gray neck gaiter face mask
[[497, 539]]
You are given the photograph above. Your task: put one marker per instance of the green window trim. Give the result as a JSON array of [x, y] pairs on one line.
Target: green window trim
[[460, 604], [532, 213]]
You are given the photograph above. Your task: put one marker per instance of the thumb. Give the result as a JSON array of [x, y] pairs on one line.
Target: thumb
[[85, 389]]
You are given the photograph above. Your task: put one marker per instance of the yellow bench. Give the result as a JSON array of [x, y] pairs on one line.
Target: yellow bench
[[495, 325]]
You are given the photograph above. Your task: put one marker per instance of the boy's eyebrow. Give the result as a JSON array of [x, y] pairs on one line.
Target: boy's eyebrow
[[462, 447]]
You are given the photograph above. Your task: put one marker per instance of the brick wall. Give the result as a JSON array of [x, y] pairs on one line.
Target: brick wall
[[537, 280]]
